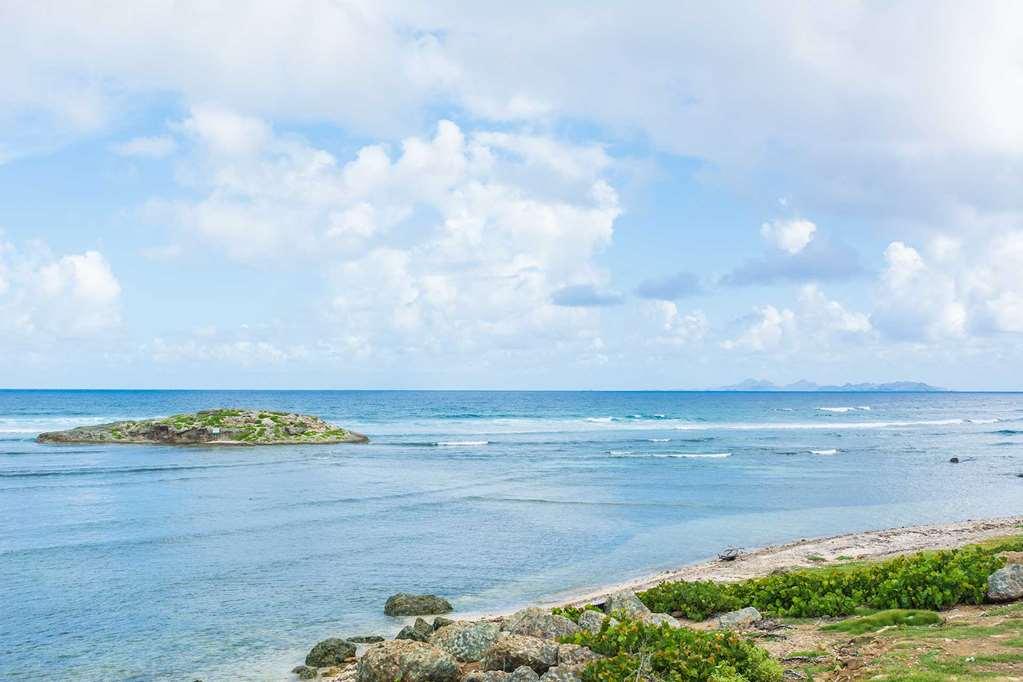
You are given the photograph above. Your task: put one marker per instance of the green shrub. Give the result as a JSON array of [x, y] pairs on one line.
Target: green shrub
[[641, 651], [883, 619], [573, 612], [927, 580]]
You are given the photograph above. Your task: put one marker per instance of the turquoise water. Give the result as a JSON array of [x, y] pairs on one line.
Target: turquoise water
[[138, 563]]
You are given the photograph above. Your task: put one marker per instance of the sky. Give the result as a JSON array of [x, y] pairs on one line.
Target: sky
[[572, 195]]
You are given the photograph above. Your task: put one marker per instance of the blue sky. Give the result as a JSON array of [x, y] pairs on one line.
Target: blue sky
[[641, 195]]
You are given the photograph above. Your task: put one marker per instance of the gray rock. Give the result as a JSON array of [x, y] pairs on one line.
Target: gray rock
[[366, 639], [466, 641], [404, 604], [333, 651], [626, 603], [419, 631], [591, 620], [537, 622], [304, 672], [403, 659], [486, 676], [441, 621], [512, 651], [573, 654], [523, 674], [739, 619], [563, 673], [1006, 584], [661, 619]]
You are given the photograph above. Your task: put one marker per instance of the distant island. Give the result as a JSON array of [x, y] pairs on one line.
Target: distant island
[[212, 427], [804, 385]]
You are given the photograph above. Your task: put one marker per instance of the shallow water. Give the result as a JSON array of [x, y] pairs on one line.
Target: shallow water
[[156, 562]]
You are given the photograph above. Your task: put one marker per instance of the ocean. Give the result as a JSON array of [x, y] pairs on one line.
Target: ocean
[[178, 563]]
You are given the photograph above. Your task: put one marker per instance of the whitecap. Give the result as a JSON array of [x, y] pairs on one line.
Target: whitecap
[[845, 408], [620, 453], [460, 443], [832, 451], [658, 440], [670, 455], [983, 421], [600, 420]]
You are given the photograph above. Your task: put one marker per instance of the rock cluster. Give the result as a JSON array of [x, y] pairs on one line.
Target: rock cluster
[[219, 427]]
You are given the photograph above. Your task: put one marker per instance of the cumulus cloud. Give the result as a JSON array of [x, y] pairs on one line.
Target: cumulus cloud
[[790, 236], [44, 297], [817, 323], [678, 328]]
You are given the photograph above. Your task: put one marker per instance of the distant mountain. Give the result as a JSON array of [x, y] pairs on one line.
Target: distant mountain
[[804, 385]]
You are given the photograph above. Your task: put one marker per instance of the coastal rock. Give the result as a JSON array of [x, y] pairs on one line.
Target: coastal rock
[[366, 639], [573, 654], [486, 676], [537, 622], [219, 427], [405, 604], [738, 619], [523, 674], [441, 621], [305, 672], [1006, 584], [466, 641], [626, 603], [511, 651], [419, 631], [591, 620], [332, 651], [563, 673], [406, 660], [662, 619]]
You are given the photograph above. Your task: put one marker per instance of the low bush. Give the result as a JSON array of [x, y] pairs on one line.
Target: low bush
[[927, 580], [884, 619], [573, 612], [639, 651]]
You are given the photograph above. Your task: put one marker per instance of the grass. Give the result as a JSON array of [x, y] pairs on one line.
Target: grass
[[884, 619]]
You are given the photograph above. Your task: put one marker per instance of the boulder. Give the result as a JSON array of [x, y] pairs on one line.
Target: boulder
[[1006, 584], [466, 641], [333, 651], [523, 674], [573, 654], [404, 604], [591, 620], [486, 676], [441, 621], [563, 673], [403, 659], [304, 672], [537, 622], [419, 631], [661, 619], [510, 652], [626, 603], [366, 639], [738, 619]]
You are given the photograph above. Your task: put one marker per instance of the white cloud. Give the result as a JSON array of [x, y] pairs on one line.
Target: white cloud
[[791, 236], [817, 324], [155, 147], [678, 328], [45, 298]]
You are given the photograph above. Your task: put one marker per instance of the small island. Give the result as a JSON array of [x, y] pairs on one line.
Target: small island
[[212, 427]]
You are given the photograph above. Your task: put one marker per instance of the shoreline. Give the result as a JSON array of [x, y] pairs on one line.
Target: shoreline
[[760, 561]]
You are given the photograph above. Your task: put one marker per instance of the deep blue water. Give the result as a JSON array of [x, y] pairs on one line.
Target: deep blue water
[[134, 562]]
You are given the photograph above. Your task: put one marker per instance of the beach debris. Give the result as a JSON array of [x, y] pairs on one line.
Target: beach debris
[[510, 652], [1006, 584], [403, 659], [626, 603], [729, 554], [466, 640], [537, 622], [331, 651], [739, 619], [405, 604], [419, 631]]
